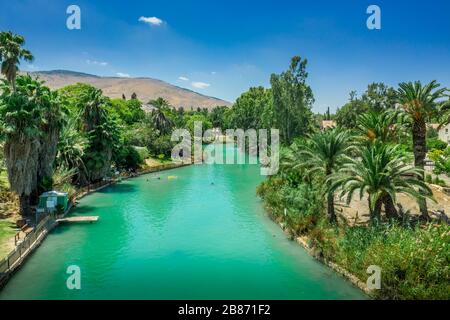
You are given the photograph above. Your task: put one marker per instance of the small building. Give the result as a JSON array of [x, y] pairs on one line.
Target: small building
[[48, 201], [444, 133], [328, 124]]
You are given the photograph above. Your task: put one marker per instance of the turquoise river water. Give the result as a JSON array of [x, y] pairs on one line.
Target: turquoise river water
[[182, 238]]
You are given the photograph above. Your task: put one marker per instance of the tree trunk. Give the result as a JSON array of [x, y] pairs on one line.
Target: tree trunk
[[330, 208], [25, 209], [47, 154], [420, 151], [375, 214], [21, 154], [389, 207]]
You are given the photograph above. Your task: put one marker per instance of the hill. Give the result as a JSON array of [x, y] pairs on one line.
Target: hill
[[146, 88]]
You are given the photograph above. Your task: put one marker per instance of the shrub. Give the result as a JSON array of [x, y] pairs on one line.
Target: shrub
[[128, 157], [435, 143]]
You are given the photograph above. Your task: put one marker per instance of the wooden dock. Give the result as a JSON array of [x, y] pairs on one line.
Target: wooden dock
[[78, 219]]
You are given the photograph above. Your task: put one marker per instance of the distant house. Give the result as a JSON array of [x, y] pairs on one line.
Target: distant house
[[444, 133], [328, 124], [434, 126]]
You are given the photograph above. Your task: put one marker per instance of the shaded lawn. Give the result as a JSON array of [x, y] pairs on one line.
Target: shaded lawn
[[7, 231]]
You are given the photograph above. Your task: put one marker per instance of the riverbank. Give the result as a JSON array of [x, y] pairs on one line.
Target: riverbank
[[20, 251], [402, 250]]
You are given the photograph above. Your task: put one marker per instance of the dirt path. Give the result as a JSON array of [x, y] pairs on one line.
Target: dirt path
[[357, 212]]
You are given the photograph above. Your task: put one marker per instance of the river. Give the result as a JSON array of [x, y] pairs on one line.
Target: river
[[198, 232]]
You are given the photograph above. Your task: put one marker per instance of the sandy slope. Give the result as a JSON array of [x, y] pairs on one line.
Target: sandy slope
[[145, 88]]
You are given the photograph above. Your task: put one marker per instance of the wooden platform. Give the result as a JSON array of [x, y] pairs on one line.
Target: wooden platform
[[78, 219]]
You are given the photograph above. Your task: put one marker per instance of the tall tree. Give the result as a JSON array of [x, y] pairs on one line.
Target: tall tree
[[292, 101], [379, 97], [11, 52], [249, 109], [420, 103], [53, 115], [101, 131], [161, 121], [20, 122], [323, 154]]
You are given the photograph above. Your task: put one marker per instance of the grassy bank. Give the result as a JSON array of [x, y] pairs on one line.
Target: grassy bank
[[414, 259]]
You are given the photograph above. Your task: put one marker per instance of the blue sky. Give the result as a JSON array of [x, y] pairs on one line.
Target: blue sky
[[225, 47]]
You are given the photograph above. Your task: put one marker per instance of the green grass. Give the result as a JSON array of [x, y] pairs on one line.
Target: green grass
[[7, 231], [4, 184]]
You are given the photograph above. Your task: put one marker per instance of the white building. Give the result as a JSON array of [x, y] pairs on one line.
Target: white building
[[444, 133]]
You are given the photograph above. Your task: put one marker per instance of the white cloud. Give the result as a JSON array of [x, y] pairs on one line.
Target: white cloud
[[98, 63], [154, 21], [31, 67], [200, 85], [183, 78], [123, 75], [213, 73]]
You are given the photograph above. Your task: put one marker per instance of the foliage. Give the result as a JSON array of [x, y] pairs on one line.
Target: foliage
[[252, 110], [11, 52], [437, 144], [128, 111], [128, 158], [292, 101], [383, 173], [347, 116]]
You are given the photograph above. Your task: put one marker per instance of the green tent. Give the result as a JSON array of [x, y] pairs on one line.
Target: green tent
[[49, 200]]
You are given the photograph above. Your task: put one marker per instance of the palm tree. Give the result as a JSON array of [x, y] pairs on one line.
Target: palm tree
[[92, 107], [379, 126], [71, 147], [161, 121], [11, 52], [420, 103], [20, 121], [382, 172], [159, 103], [323, 154], [53, 116], [102, 133]]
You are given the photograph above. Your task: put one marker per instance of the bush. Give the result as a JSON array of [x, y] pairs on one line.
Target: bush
[[435, 143], [415, 261], [128, 158]]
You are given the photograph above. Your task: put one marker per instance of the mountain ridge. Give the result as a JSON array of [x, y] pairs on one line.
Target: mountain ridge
[[146, 88]]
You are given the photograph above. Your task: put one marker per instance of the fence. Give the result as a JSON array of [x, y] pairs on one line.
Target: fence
[[25, 247], [33, 239]]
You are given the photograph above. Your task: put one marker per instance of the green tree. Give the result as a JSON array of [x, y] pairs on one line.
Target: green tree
[[347, 116], [292, 101], [381, 126], [102, 132], [381, 172], [161, 121], [249, 110], [11, 52], [53, 120], [379, 97], [71, 147], [20, 120], [419, 104], [217, 117], [323, 154]]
